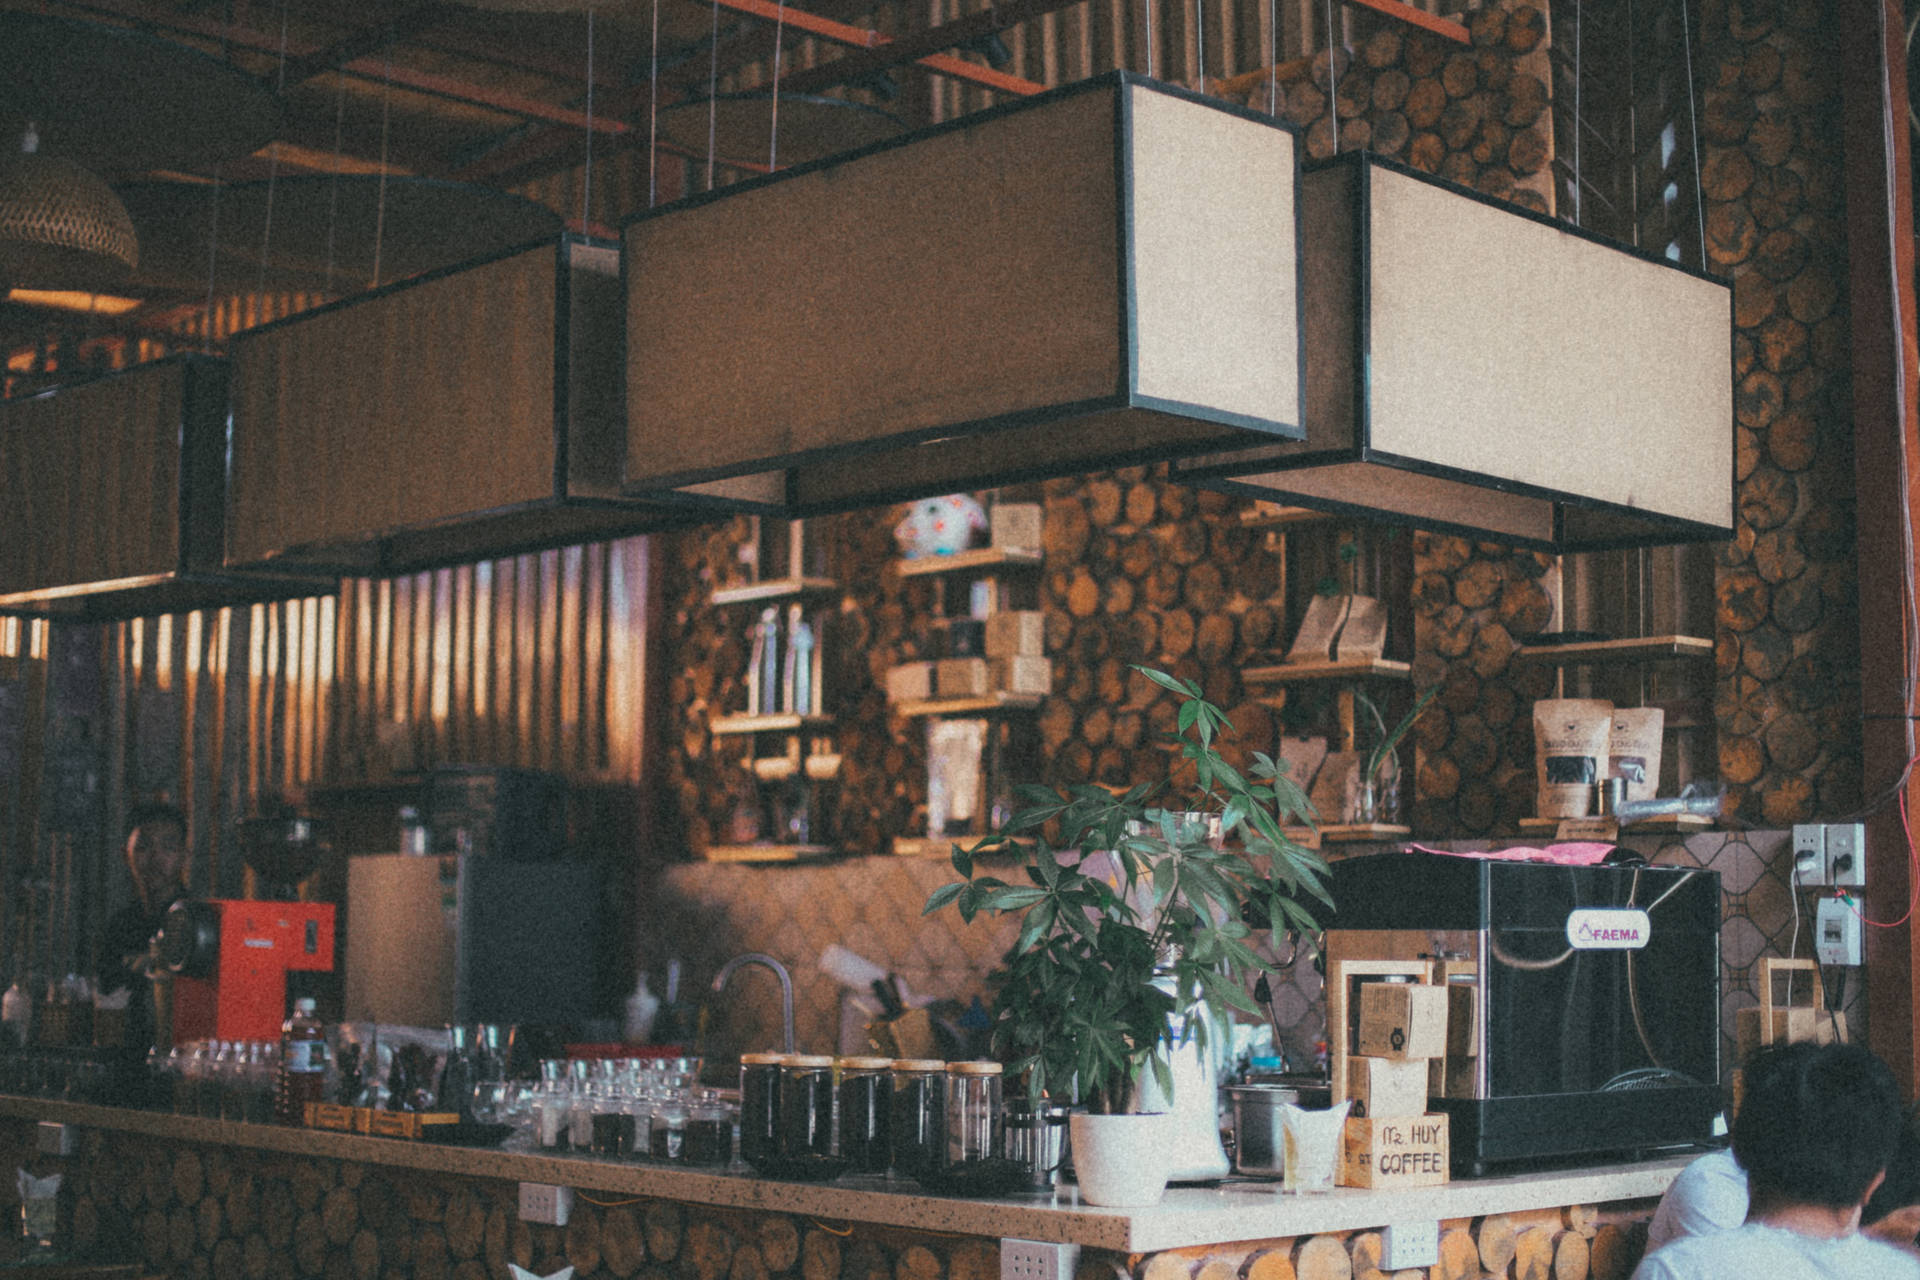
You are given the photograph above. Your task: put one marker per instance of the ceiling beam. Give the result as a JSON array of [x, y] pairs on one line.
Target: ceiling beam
[[404, 25], [861, 63]]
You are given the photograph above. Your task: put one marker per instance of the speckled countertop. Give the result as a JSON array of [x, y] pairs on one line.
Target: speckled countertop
[[1187, 1216]]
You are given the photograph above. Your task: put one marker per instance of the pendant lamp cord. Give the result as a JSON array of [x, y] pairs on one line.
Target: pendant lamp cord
[[1149, 11], [213, 257], [333, 186], [1579, 125], [586, 179], [773, 132], [1273, 57], [386, 119], [1693, 129], [713, 90], [1200, 39], [653, 114], [1333, 81], [273, 163]]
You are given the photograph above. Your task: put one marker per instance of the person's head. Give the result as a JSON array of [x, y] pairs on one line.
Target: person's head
[[157, 852], [1893, 1212], [1817, 1126]]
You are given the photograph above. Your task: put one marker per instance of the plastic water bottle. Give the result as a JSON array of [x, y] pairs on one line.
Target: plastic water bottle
[[303, 1064]]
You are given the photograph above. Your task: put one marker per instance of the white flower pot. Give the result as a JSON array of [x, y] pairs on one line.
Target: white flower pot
[[1121, 1161]]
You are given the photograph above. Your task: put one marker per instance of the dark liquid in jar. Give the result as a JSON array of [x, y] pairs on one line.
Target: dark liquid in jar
[[806, 1113], [865, 1101], [918, 1123], [667, 1143], [759, 1114], [612, 1133], [709, 1142]]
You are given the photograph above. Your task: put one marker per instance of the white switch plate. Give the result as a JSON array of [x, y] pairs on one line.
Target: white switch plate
[[1410, 1244], [543, 1203], [1836, 933], [1037, 1260], [1847, 854], [1809, 853]]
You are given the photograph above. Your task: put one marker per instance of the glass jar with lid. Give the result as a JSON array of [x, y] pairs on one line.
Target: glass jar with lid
[[709, 1130], [760, 1107], [975, 1118], [866, 1097], [806, 1106], [917, 1118]]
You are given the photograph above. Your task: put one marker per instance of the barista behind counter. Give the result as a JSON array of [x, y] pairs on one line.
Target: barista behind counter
[[157, 859]]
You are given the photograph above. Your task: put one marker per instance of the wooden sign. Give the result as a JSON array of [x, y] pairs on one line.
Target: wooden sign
[[1594, 830], [1394, 1151]]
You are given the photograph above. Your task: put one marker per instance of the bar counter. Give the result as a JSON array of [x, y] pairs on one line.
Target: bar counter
[[1237, 1219]]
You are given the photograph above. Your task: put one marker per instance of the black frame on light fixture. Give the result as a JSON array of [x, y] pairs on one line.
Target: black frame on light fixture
[[193, 578], [1029, 442], [1576, 522]]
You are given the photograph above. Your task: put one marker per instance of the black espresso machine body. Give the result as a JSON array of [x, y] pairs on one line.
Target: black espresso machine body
[[1593, 1028]]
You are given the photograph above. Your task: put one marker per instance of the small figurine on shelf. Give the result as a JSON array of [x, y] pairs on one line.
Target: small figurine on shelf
[[798, 684], [940, 526], [763, 668]]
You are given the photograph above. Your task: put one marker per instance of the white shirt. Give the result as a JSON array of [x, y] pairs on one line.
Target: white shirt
[[1709, 1195], [1759, 1252]]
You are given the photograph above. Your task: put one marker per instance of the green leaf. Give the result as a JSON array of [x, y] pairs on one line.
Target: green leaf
[[962, 862], [943, 895]]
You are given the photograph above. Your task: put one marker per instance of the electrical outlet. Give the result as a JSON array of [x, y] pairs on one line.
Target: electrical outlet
[[545, 1204], [1410, 1244], [1836, 933], [1809, 853], [1037, 1260], [1847, 854]]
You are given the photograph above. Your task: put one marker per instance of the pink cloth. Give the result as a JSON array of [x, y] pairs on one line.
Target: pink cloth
[[1567, 855]]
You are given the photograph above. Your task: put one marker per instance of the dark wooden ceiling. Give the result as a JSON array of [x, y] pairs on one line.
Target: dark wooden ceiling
[[499, 94]]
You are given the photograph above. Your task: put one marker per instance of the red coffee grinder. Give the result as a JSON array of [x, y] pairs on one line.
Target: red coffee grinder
[[230, 957]]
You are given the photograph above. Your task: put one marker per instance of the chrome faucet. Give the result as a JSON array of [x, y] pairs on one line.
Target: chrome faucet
[[779, 971]]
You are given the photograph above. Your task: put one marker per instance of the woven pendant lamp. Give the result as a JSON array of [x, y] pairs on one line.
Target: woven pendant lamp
[[61, 227]]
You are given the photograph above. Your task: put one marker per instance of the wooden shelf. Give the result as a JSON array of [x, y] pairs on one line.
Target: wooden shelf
[[1357, 832], [929, 846], [1347, 833], [1281, 517], [1361, 669], [1671, 824], [775, 589], [988, 705], [768, 852], [1633, 649], [766, 724], [978, 558]]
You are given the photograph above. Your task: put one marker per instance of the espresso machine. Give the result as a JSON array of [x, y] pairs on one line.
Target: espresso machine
[[226, 961], [1584, 1010]]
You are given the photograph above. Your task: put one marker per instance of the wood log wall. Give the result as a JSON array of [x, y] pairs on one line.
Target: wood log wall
[[1788, 689], [204, 1212]]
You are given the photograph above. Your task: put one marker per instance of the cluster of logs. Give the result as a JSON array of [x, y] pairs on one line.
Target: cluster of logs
[[1543, 1244]]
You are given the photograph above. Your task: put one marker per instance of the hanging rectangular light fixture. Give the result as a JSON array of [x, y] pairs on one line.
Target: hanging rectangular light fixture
[[111, 497], [1476, 368], [1101, 275], [459, 416]]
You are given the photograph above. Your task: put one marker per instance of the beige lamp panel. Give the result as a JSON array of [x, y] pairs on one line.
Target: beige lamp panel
[[969, 275], [91, 477], [1215, 259], [429, 403], [1627, 390]]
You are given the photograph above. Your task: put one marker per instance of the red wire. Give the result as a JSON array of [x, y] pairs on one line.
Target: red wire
[[1913, 875]]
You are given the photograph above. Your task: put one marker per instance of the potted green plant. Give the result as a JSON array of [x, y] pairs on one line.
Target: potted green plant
[[1135, 928]]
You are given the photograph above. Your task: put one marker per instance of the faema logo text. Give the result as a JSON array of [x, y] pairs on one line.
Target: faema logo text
[[1608, 929]]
